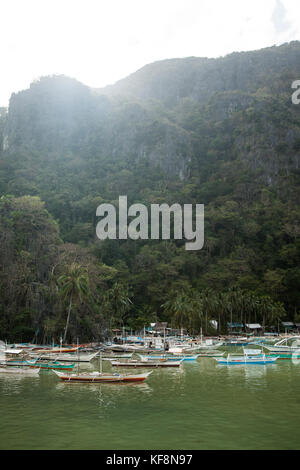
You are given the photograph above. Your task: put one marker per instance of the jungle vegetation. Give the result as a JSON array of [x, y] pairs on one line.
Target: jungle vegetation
[[220, 132]]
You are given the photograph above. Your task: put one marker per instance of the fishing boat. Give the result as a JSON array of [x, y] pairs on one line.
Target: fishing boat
[[285, 355], [251, 356], [168, 357], [130, 348], [236, 342], [208, 345], [14, 363], [12, 353], [22, 346], [50, 365], [204, 345], [285, 345], [13, 357], [53, 350], [122, 348], [147, 363], [101, 377], [66, 357], [109, 357]]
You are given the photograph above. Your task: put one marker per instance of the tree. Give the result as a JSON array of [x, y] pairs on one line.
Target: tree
[[117, 301], [185, 306], [74, 286]]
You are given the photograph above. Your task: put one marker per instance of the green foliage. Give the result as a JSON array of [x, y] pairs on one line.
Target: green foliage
[[74, 286], [212, 131]]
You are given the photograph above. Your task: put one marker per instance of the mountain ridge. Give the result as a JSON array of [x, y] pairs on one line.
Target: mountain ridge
[[246, 64]]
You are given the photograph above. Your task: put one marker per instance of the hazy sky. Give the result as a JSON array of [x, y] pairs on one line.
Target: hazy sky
[[101, 41]]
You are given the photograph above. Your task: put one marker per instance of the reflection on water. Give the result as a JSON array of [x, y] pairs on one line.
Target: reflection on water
[[254, 376], [258, 370], [296, 357], [11, 383], [200, 405]]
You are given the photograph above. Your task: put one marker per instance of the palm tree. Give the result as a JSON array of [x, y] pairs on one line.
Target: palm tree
[[74, 285], [207, 304], [117, 300], [230, 302], [196, 310], [179, 305], [211, 305]]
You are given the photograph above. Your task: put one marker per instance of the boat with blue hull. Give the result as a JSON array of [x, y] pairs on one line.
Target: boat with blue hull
[[285, 355], [244, 360], [50, 365], [168, 357], [38, 365], [147, 363], [250, 357]]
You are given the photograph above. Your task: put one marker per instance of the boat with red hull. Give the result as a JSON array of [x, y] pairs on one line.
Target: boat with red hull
[[100, 377]]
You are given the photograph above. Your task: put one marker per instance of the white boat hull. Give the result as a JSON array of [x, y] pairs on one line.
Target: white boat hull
[[67, 357]]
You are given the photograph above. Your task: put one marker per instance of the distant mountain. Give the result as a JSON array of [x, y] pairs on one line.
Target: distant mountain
[[159, 112], [200, 78]]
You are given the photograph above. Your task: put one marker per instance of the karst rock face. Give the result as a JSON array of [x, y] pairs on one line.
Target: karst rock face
[[168, 112]]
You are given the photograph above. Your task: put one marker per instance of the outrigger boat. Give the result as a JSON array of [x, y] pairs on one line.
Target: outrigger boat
[[54, 350], [236, 342], [168, 357], [100, 377], [14, 358], [12, 353], [251, 356], [128, 348], [206, 345], [109, 357], [234, 360], [66, 357], [147, 363], [283, 346], [15, 363], [285, 355], [50, 365], [37, 365]]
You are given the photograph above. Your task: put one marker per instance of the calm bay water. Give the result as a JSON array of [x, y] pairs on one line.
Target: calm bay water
[[199, 406]]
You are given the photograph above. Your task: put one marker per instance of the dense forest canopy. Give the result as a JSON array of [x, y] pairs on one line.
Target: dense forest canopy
[[220, 132]]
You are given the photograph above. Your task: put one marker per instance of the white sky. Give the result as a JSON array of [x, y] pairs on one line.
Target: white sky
[[101, 41]]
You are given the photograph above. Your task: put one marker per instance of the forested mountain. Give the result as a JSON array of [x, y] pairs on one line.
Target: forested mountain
[[222, 132]]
